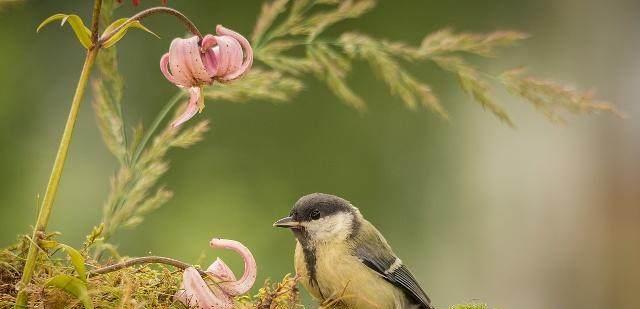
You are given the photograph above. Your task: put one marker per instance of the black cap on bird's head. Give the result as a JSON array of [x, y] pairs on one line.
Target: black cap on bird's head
[[313, 207]]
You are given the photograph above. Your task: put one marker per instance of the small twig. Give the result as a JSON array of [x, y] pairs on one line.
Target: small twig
[[143, 260], [152, 11], [95, 21]]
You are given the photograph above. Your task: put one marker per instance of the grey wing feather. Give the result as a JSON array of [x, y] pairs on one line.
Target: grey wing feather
[[377, 255], [404, 277]]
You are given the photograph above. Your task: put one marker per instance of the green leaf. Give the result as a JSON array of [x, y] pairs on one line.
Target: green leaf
[[77, 260], [48, 244], [122, 31], [82, 32], [73, 286]]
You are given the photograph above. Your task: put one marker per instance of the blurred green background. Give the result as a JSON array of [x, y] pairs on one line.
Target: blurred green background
[[542, 216]]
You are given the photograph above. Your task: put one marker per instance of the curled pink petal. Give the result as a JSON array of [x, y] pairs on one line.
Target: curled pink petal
[[185, 63], [164, 67], [192, 107], [248, 278], [208, 42], [221, 271], [178, 63], [194, 61], [195, 293], [248, 59], [229, 56], [209, 58]]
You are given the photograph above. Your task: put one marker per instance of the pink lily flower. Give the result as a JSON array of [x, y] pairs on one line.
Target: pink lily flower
[[193, 63], [196, 293]]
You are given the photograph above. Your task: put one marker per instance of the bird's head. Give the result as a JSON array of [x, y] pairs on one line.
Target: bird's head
[[320, 217]]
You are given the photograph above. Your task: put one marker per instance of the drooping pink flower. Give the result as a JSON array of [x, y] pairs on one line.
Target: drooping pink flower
[[197, 293], [193, 63]]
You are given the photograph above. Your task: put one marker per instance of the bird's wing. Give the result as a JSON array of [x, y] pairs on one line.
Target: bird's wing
[[376, 254]]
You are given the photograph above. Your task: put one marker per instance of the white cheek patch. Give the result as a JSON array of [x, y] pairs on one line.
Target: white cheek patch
[[336, 227]]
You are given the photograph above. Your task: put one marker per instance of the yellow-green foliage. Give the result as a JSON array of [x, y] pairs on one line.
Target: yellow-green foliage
[[275, 295], [286, 26]]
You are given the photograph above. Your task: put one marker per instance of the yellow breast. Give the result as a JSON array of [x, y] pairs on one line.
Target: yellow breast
[[346, 281]]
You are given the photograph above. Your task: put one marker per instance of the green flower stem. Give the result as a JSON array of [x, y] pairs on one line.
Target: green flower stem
[[152, 11], [58, 165], [156, 123], [135, 156], [54, 179]]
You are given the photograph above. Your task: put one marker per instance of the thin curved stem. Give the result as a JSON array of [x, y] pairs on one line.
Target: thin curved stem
[[166, 109], [152, 11], [135, 156], [143, 260], [156, 123], [58, 164]]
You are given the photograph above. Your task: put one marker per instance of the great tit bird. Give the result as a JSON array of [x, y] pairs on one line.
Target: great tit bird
[[343, 260]]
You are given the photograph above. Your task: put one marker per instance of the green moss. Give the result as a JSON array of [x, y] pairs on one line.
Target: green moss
[[148, 286], [469, 306]]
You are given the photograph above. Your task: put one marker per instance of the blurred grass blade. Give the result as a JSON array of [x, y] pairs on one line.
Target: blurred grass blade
[[73, 286], [121, 33], [48, 244], [270, 11], [82, 32], [77, 260], [551, 98]]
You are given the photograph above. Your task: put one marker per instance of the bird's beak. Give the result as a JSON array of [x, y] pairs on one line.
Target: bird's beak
[[287, 222]]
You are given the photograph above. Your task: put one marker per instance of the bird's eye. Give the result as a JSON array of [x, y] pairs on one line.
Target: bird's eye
[[315, 214]]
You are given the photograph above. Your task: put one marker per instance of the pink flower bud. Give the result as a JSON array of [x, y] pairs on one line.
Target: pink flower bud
[[193, 63]]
